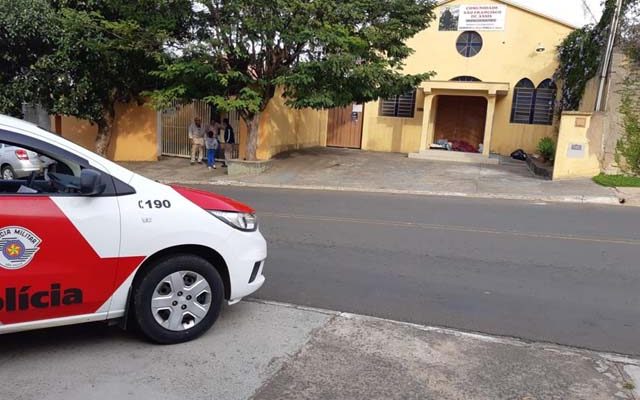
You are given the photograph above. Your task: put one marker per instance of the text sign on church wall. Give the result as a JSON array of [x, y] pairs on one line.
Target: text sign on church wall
[[482, 17]]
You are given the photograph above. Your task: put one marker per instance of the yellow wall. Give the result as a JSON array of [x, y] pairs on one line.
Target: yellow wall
[[588, 102], [506, 56], [588, 165], [134, 133], [391, 134], [283, 128]]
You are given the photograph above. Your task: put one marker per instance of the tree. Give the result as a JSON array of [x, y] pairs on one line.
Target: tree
[[630, 37], [448, 22], [103, 54], [26, 31], [322, 53]]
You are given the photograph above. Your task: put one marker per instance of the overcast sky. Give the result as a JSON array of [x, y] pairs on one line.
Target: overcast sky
[[568, 10]]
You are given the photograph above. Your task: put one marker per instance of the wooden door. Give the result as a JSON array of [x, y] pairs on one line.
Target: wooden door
[[344, 128], [461, 118]]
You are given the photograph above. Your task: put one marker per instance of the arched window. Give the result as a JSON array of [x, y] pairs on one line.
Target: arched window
[[469, 43], [543, 105], [533, 105], [523, 95], [466, 78]]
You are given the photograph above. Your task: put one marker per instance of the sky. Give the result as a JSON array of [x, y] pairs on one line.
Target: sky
[[570, 11]]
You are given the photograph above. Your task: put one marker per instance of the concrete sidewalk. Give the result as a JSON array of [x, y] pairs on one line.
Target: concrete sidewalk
[[354, 170], [263, 350], [629, 195]]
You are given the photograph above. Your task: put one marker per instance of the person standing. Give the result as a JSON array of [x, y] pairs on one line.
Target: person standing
[[215, 126], [229, 141], [196, 135], [211, 144]]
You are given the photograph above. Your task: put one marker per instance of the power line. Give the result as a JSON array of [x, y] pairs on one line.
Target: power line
[[585, 6]]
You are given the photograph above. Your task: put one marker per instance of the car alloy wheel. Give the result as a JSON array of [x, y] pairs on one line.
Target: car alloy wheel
[[7, 174], [181, 300]]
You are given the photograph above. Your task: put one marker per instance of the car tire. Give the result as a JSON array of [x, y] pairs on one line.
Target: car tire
[[165, 312], [7, 170]]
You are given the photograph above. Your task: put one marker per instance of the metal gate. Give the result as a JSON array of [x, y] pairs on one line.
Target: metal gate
[[174, 125]]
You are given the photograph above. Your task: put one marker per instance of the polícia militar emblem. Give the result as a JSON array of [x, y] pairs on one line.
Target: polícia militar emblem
[[18, 246]]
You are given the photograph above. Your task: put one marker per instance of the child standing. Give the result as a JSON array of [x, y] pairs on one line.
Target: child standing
[[211, 144]]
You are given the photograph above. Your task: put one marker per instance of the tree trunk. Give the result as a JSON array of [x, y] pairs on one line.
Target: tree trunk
[[253, 127], [105, 129]]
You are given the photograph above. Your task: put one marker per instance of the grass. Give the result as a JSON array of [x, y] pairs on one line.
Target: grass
[[629, 386], [617, 180]]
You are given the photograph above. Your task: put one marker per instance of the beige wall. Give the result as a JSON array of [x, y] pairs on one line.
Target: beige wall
[[283, 129], [613, 129], [134, 133], [506, 56], [588, 102], [578, 129], [401, 135]]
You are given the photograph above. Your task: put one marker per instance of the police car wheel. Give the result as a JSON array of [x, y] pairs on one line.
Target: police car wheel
[[178, 299]]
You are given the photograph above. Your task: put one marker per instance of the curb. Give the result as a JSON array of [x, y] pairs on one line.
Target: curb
[[577, 199], [501, 339]]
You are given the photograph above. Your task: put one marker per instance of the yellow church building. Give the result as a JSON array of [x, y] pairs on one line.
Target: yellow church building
[[491, 92]]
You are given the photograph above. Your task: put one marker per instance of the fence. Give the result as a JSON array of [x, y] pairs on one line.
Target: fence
[[174, 125]]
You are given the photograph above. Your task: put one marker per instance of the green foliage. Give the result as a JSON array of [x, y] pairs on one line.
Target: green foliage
[[627, 154], [448, 22], [580, 55], [547, 148], [80, 57], [634, 49], [617, 180], [322, 53], [579, 59], [26, 31], [630, 38], [103, 52]]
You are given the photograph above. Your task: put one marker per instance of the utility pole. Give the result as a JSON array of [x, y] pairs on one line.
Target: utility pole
[[613, 32]]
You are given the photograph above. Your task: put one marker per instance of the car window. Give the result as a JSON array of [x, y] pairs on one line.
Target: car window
[[29, 171]]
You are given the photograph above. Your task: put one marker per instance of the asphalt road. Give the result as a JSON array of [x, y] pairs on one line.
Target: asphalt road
[[566, 274]]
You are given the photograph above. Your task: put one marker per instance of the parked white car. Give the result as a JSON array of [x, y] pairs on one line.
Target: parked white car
[[92, 241]]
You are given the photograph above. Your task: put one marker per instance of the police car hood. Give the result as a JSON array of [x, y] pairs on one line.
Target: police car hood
[[211, 201]]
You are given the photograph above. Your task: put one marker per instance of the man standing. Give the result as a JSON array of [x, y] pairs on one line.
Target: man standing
[[196, 134], [229, 141]]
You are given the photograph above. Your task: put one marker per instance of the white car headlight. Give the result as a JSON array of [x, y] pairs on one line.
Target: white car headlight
[[243, 221]]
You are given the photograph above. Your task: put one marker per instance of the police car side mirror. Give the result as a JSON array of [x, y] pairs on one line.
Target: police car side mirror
[[91, 183]]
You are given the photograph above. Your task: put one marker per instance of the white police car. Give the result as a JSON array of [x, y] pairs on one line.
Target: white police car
[[89, 240]]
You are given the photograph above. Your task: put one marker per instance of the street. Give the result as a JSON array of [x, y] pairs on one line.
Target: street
[[564, 274]]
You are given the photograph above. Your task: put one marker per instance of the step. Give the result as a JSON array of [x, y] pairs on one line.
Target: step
[[454, 156]]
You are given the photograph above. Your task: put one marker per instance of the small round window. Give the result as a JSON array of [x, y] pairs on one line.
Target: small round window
[[469, 43]]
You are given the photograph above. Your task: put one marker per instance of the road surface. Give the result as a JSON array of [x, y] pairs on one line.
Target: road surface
[[567, 274]]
